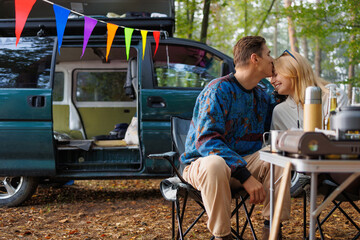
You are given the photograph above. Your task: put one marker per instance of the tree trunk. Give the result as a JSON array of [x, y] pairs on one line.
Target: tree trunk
[[304, 44], [245, 18], [291, 29], [205, 21], [349, 86], [275, 49], [190, 13], [265, 17], [351, 73], [317, 60]]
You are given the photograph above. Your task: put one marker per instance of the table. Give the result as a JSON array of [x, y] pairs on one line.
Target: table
[[314, 167]]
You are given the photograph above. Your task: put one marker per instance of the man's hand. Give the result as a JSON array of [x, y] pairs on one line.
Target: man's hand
[[255, 190]]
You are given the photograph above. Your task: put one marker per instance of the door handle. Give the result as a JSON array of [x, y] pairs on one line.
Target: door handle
[[36, 101], [156, 102]]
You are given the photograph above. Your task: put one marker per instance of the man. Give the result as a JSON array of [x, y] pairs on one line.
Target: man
[[229, 118]]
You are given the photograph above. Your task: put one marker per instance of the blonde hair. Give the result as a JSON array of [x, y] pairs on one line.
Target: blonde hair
[[299, 71]]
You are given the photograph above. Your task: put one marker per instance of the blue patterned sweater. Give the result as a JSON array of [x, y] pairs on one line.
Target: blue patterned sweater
[[228, 121]]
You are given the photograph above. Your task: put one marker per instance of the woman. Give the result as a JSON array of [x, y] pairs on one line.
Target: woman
[[293, 74]]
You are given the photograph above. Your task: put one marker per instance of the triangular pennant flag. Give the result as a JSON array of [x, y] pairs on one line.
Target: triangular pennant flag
[[156, 37], [111, 29], [128, 34], [143, 35], [61, 16], [88, 28], [22, 10]]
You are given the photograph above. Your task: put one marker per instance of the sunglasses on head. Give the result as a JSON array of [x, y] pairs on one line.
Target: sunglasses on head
[[288, 52]]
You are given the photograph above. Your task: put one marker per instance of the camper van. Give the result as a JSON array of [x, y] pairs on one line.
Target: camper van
[[64, 116]]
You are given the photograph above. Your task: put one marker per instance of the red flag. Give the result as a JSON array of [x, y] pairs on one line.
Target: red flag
[[22, 10], [156, 37]]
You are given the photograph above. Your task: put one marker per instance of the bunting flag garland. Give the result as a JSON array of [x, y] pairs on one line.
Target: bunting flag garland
[[61, 16], [22, 10], [143, 35], [88, 28], [128, 34], [111, 29], [156, 37]]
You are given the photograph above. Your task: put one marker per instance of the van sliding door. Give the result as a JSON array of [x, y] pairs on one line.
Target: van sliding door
[[26, 142]]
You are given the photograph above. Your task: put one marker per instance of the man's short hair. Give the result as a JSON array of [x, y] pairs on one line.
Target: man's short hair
[[247, 46]]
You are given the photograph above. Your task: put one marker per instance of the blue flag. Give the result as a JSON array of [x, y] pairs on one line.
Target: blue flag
[[61, 15]]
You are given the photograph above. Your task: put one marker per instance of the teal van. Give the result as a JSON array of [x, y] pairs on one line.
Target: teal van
[[58, 112]]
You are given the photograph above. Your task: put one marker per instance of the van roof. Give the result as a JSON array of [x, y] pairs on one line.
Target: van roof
[[143, 14]]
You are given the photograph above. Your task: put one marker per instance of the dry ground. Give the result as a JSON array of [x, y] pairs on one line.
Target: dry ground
[[124, 209]]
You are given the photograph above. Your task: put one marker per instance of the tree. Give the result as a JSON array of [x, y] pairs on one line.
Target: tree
[[317, 59], [205, 21], [291, 29]]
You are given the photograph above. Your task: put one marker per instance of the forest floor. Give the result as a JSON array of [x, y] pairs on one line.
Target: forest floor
[[128, 209]]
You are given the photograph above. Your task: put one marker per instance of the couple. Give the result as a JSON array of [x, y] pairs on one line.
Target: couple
[[229, 118]]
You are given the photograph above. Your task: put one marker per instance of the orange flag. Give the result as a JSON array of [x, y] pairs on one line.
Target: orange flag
[[156, 37], [112, 28], [22, 10], [143, 35]]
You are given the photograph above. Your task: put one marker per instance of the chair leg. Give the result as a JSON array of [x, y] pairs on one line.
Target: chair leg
[[173, 220], [320, 229], [337, 206], [248, 214], [195, 221], [180, 232], [237, 216], [304, 214], [246, 222]]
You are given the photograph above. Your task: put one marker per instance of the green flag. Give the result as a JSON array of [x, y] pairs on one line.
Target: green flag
[[128, 34]]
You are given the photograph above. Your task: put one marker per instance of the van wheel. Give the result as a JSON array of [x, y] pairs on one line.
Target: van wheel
[[16, 190], [298, 182]]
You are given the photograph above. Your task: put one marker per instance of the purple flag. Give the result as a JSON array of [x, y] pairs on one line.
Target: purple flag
[[88, 28], [61, 15]]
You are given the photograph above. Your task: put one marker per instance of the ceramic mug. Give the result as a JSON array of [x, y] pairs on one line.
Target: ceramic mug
[[273, 134]]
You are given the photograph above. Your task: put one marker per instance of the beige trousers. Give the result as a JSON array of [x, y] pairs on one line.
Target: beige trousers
[[212, 177]]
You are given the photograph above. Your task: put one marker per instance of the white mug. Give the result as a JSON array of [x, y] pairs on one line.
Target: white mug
[[273, 134]]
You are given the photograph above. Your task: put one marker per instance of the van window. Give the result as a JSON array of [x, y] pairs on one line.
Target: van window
[[184, 66], [58, 89], [28, 64], [100, 86]]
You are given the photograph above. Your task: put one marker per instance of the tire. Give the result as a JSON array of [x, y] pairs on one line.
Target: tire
[[298, 182], [16, 190]]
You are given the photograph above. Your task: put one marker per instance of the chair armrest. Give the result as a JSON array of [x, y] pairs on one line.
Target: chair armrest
[[167, 155]]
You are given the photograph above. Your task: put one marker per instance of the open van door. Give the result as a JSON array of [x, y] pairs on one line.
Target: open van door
[[26, 142], [181, 69]]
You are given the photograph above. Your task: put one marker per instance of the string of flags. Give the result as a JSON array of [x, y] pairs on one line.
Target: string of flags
[[23, 9]]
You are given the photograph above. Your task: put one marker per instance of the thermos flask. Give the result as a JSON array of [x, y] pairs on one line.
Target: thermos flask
[[312, 109]]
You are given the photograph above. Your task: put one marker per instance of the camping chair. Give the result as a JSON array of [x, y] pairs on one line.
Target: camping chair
[[176, 187], [350, 195]]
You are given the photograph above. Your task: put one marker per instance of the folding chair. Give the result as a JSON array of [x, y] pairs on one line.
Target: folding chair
[[350, 195], [176, 187]]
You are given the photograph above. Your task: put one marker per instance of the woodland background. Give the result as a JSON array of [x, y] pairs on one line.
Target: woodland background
[[326, 32]]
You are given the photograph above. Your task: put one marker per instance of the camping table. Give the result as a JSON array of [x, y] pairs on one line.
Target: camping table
[[314, 167]]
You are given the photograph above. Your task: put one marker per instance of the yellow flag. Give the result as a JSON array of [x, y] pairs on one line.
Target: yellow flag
[[143, 34]]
